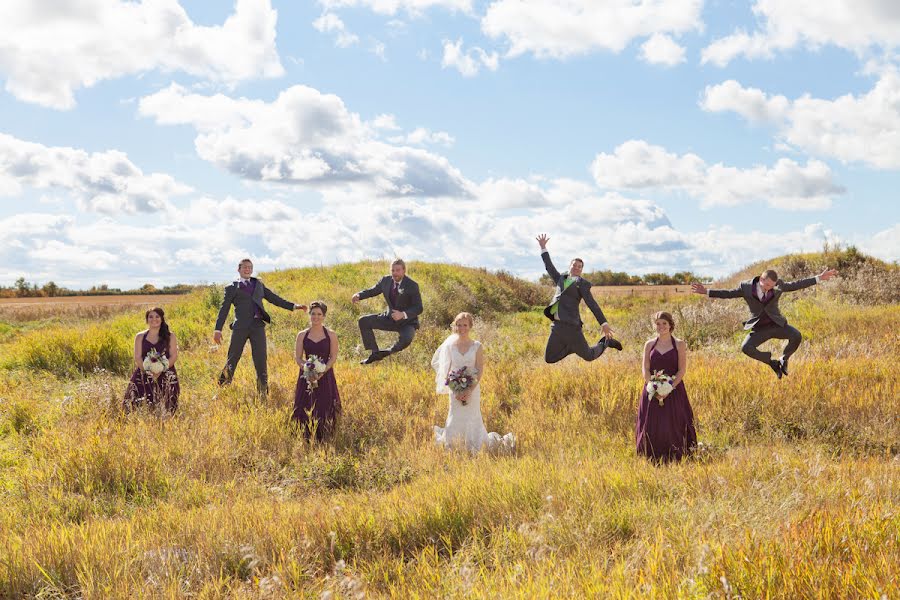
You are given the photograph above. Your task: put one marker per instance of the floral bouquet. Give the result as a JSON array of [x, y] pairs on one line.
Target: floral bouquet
[[313, 367], [155, 363], [660, 386], [460, 380]]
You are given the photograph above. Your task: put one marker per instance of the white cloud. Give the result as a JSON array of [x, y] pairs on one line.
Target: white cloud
[[885, 244], [554, 29], [305, 138], [468, 62], [100, 181], [50, 49], [786, 185], [855, 25], [751, 103], [421, 136], [203, 241], [331, 23], [864, 128], [392, 7], [661, 49], [379, 49]]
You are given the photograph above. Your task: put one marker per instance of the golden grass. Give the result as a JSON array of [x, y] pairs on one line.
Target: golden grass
[[793, 495]]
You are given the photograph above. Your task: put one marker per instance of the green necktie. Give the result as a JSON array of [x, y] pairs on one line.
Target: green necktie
[[555, 308]]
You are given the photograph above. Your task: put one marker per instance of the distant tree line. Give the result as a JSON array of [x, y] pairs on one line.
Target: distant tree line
[[23, 289], [621, 278]]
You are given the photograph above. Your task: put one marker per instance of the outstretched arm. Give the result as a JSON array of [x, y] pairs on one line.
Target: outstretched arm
[[545, 255], [791, 286], [277, 300], [368, 293], [699, 288]]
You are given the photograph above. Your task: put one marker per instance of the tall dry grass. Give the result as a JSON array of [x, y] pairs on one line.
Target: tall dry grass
[[793, 493]]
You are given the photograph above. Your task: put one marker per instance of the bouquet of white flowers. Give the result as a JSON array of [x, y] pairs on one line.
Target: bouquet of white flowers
[[155, 363], [313, 366], [659, 386]]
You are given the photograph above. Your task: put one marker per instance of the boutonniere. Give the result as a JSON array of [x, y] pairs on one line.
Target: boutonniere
[[400, 290]]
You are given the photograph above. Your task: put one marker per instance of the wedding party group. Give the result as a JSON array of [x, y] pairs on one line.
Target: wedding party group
[[664, 429]]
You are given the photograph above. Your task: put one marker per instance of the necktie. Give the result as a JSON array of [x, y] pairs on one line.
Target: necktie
[[555, 308], [394, 294]]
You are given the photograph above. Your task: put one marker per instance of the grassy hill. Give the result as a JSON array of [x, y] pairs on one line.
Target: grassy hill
[[792, 495]]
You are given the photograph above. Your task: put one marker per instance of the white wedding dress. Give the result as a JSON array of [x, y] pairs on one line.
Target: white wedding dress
[[465, 427]]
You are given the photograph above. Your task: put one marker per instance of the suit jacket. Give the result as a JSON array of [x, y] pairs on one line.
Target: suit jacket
[[757, 308], [409, 300], [245, 305], [570, 299]]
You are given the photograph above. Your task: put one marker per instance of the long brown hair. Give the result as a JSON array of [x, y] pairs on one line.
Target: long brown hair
[[164, 332]]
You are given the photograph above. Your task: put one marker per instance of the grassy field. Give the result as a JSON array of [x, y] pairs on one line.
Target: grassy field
[[793, 493], [25, 310]]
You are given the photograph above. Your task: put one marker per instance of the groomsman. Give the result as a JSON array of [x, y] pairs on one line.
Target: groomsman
[[566, 335], [766, 322], [246, 294], [404, 305]]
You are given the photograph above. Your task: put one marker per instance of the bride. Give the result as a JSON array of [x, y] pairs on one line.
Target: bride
[[464, 427]]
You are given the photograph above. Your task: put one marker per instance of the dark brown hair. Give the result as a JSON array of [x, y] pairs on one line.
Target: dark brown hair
[[578, 260], [770, 274], [164, 332], [243, 260], [399, 261], [667, 317], [320, 305]]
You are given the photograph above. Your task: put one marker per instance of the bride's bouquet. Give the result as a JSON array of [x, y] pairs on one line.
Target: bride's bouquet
[[659, 386], [313, 366], [155, 363], [460, 380]]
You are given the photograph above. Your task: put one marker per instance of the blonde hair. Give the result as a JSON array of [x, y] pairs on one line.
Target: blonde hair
[[463, 315]]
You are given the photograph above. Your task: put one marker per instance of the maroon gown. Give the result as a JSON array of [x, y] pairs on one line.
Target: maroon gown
[[665, 432], [323, 403], [142, 387]]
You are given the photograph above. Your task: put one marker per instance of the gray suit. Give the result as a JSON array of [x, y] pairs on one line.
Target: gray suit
[[566, 336], [408, 300], [250, 318], [766, 321]]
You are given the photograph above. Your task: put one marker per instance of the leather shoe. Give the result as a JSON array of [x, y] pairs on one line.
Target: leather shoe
[[374, 357], [776, 366], [783, 365], [614, 343]]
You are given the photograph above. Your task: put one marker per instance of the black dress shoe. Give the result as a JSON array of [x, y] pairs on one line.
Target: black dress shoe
[[375, 357], [614, 343], [783, 365], [776, 366]]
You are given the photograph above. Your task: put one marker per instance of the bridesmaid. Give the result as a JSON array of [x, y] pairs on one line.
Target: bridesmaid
[[665, 432], [317, 409], [156, 390]]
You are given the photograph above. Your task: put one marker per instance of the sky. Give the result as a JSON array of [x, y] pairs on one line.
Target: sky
[[161, 141]]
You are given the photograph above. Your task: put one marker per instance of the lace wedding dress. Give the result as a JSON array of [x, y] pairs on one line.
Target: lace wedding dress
[[464, 427]]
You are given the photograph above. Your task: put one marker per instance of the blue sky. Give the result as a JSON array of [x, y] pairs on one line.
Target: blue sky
[[163, 141]]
